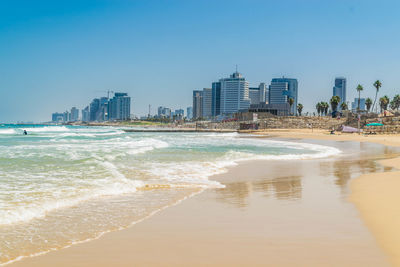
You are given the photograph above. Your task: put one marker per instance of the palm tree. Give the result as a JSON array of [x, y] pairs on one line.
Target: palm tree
[[299, 108], [384, 102], [318, 106], [359, 89], [396, 100], [335, 100], [377, 85], [325, 107], [343, 106], [291, 102], [368, 103], [393, 104]]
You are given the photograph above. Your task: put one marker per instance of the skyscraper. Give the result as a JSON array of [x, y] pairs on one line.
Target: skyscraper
[[57, 117], [216, 99], [163, 112], [263, 93], [258, 94], [234, 94], [207, 103], [74, 114], [179, 114], [281, 89], [119, 107], [354, 105], [340, 89], [254, 95], [85, 114], [189, 113], [94, 109], [197, 104]]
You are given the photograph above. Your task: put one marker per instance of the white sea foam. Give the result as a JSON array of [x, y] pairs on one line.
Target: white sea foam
[[7, 131], [115, 153], [47, 129], [115, 184]]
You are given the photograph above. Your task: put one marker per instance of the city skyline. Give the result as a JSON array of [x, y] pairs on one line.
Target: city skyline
[[62, 54]]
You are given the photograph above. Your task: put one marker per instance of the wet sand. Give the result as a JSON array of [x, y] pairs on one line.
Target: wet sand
[[378, 199], [275, 213]]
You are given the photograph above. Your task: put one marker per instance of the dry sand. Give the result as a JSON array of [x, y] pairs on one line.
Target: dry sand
[[276, 214]]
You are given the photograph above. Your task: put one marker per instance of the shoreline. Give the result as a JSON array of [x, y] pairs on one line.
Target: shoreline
[[51, 258], [375, 196]]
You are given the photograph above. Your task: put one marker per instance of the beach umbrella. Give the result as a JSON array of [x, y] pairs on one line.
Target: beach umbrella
[[374, 124]]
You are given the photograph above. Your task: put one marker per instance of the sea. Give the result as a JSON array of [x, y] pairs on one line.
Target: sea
[[63, 185]]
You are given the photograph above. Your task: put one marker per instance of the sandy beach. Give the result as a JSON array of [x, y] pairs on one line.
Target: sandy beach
[[278, 213]]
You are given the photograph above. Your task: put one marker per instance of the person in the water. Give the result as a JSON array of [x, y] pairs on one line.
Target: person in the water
[[25, 132]]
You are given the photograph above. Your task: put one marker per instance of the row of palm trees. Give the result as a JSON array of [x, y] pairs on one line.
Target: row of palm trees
[[384, 102]]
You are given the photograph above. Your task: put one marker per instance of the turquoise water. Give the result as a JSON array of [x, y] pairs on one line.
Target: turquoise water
[[61, 185]]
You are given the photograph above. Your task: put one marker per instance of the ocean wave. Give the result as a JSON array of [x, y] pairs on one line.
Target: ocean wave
[[47, 129], [114, 155], [116, 184], [7, 131]]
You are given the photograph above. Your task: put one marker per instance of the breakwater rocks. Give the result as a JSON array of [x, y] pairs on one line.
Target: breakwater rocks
[[293, 122], [391, 125]]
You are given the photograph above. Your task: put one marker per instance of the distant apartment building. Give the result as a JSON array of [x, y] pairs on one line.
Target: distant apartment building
[[189, 113], [94, 108], [216, 99], [258, 94], [119, 107], [207, 103], [98, 109], [163, 112], [197, 104], [67, 116], [85, 114], [234, 94], [179, 114], [254, 95], [74, 114], [340, 89], [354, 105], [281, 89], [57, 117]]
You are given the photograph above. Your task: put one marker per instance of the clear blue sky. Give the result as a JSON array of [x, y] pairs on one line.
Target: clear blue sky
[[59, 54]]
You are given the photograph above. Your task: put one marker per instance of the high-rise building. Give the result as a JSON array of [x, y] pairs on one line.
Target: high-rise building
[[57, 117], [94, 109], [354, 105], [164, 112], [197, 104], [74, 114], [340, 89], [179, 114], [207, 103], [67, 116], [258, 94], [281, 89], [189, 113], [254, 95], [263, 93], [216, 99], [102, 114], [234, 94], [119, 107], [85, 114]]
